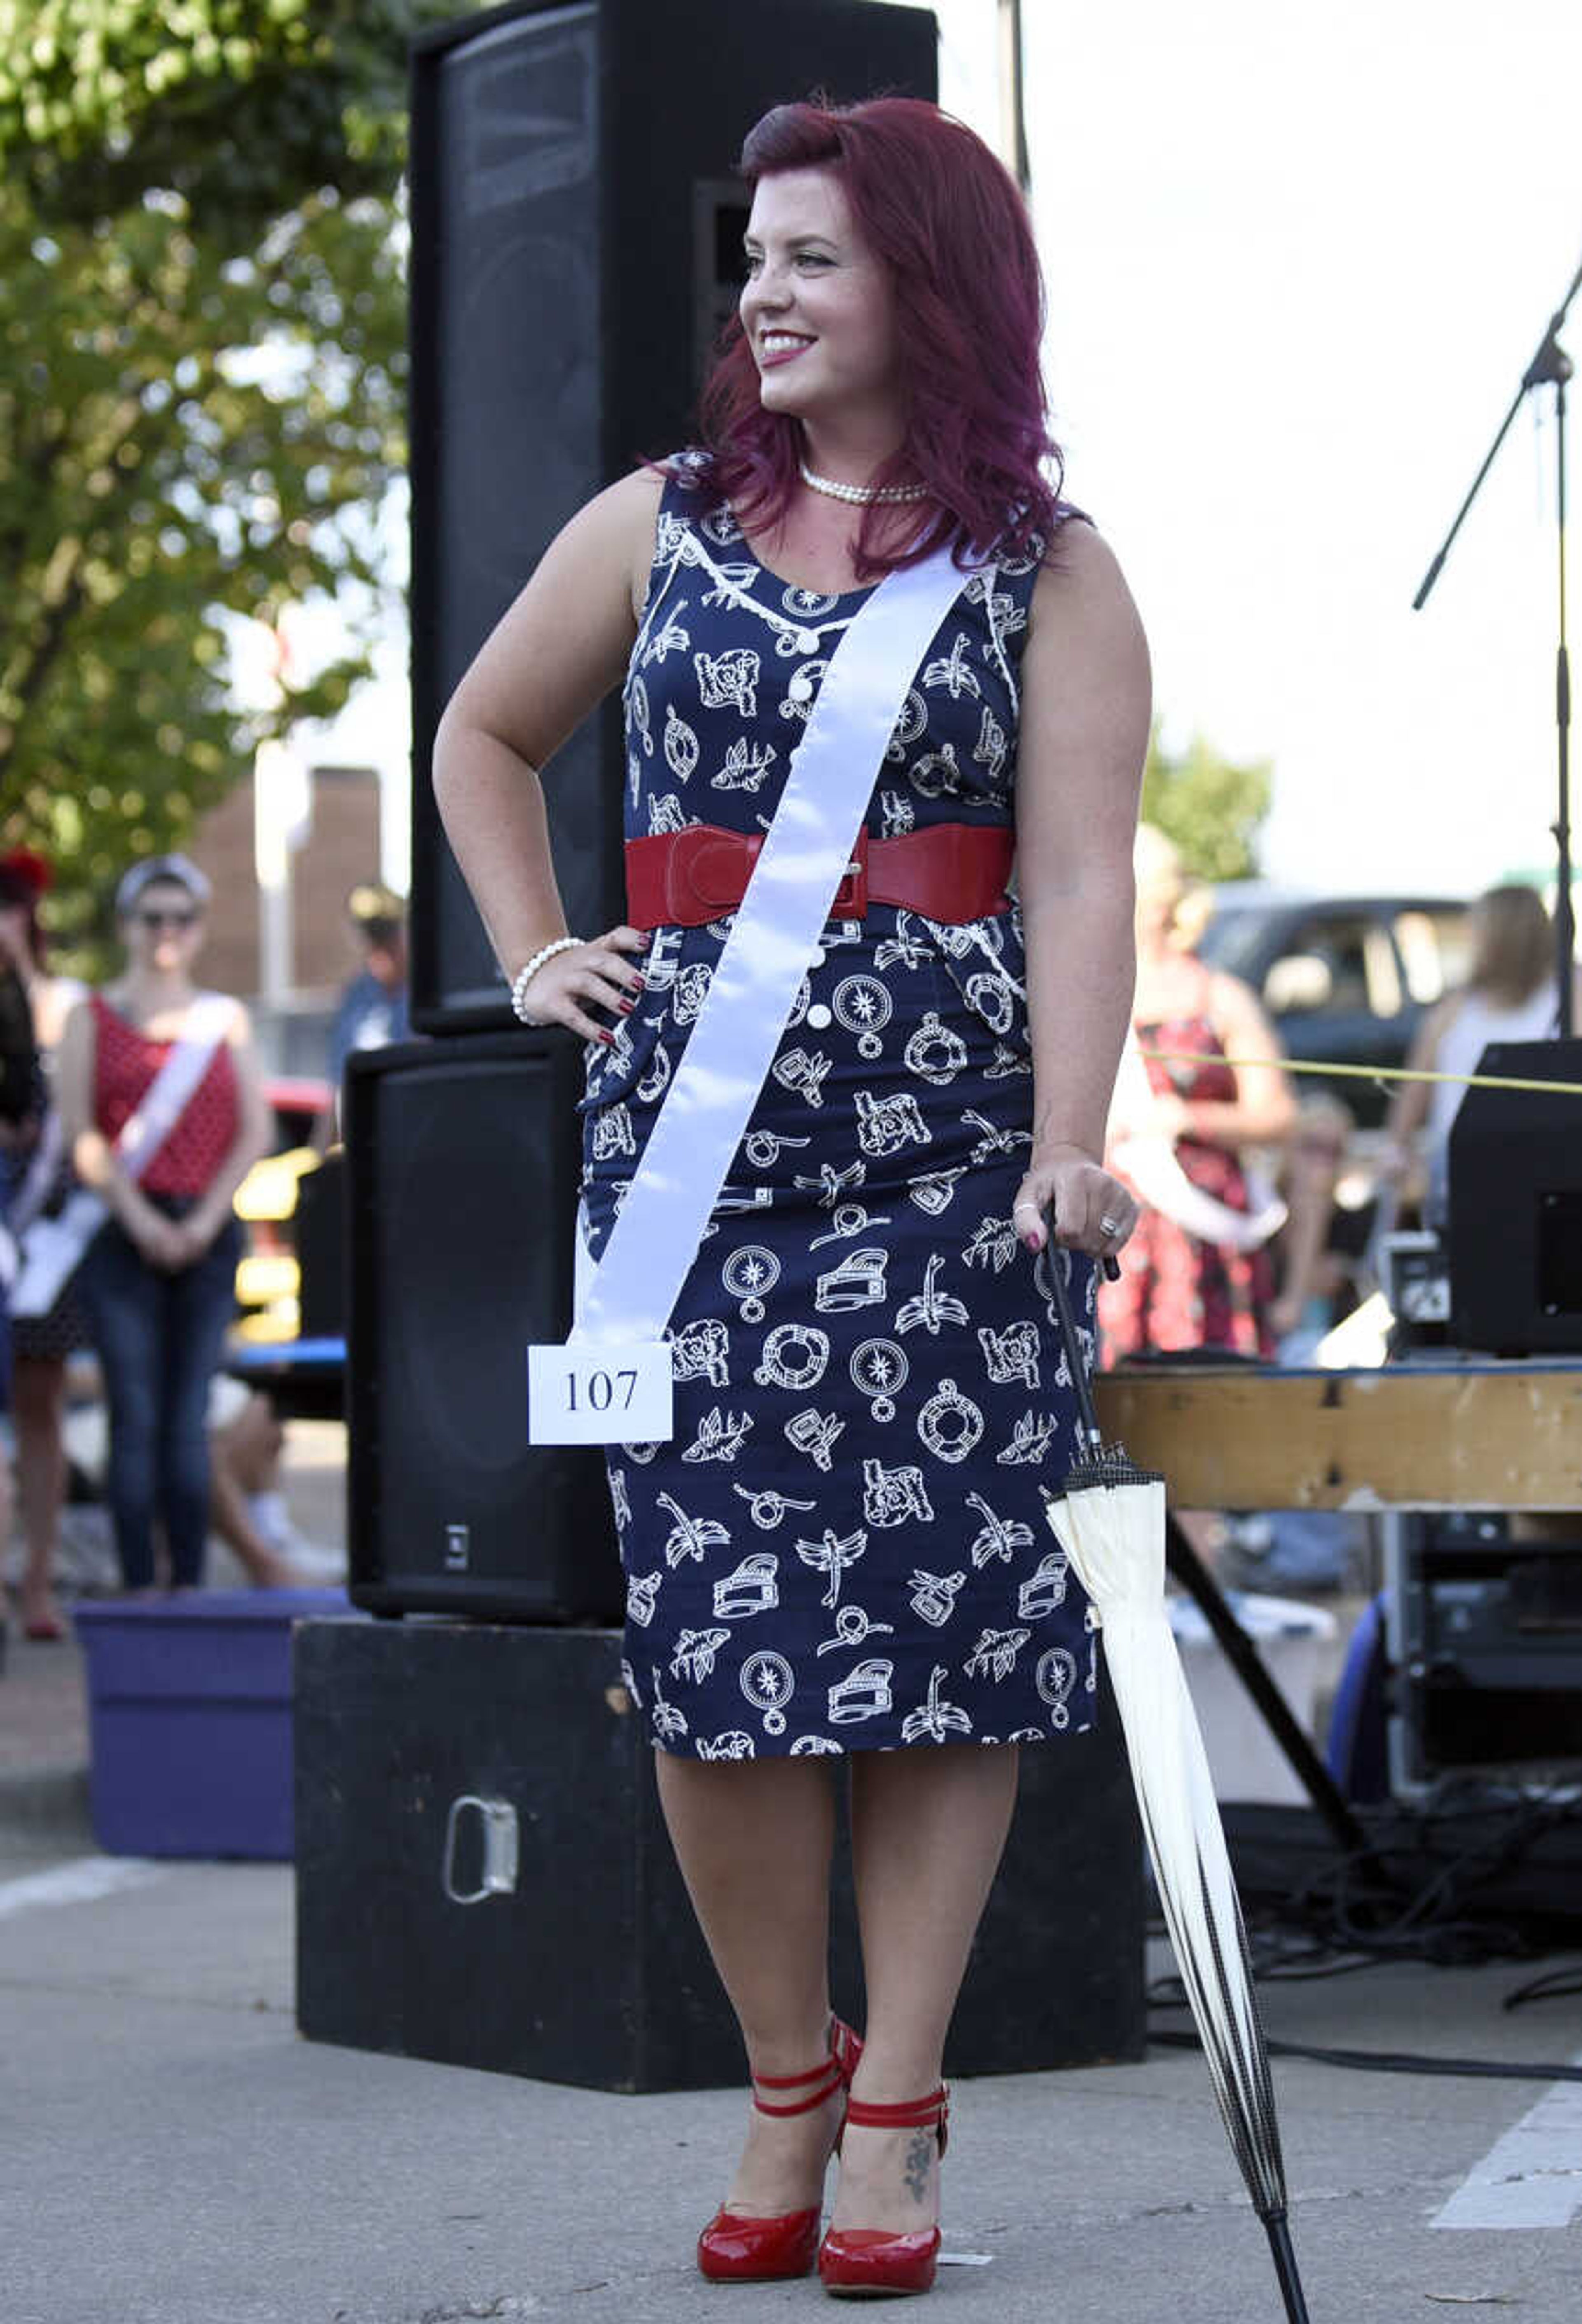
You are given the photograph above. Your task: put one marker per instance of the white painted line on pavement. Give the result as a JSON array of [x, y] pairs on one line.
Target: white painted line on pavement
[[81, 1883], [1531, 2178]]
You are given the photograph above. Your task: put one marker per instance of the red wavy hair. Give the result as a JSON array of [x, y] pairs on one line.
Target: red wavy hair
[[946, 218]]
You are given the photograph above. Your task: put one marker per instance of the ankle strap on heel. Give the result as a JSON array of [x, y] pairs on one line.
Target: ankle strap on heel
[[834, 2074], [932, 2113]]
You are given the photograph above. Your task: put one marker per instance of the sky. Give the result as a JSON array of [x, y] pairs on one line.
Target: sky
[[1297, 262]]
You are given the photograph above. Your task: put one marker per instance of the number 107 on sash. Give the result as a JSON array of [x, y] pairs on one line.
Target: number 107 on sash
[[603, 1392]]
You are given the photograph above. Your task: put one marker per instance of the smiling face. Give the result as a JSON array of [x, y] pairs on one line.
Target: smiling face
[[818, 309]]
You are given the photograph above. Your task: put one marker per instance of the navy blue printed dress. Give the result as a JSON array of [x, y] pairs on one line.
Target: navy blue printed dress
[[843, 1546]]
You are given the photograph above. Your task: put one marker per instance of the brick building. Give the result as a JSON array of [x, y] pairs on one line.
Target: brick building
[[341, 849]]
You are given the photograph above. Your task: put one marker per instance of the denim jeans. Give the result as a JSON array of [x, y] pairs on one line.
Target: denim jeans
[[159, 1337]]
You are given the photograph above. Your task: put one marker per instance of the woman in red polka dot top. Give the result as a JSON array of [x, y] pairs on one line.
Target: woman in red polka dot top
[[158, 1280]]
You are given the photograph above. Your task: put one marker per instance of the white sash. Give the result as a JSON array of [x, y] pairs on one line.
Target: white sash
[[54, 1248], [624, 1306]]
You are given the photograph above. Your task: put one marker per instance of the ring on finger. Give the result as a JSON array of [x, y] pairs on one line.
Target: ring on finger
[[1109, 1226]]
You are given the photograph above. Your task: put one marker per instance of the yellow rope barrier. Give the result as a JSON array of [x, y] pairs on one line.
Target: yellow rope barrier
[[1379, 1073]]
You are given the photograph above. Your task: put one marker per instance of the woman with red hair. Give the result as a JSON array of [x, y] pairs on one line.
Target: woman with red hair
[[872, 1269]]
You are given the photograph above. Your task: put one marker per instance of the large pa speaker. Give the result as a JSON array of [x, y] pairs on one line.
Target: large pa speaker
[[462, 1161], [1516, 1238], [483, 1876], [576, 239]]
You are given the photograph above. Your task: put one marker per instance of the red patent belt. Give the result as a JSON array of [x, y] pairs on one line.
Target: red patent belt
[[952, 872]]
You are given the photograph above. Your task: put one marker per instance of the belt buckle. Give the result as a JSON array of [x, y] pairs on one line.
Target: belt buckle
[[850, 897], [688, 865]]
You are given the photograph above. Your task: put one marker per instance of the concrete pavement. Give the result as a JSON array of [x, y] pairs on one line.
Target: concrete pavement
[[172, 2152]]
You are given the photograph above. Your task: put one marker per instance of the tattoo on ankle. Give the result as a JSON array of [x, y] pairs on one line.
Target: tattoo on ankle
[[918, 2157]]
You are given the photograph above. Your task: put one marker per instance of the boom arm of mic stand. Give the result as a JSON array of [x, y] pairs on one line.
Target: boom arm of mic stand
[[1536, 373]]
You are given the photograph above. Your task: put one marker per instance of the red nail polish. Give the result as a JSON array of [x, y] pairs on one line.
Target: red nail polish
[[640, 983], [1034, 1244], [608, 1039], [626, 1007]]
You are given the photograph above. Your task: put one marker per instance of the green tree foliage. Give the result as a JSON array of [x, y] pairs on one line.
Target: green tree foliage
[[202, 326], [1209, 807]]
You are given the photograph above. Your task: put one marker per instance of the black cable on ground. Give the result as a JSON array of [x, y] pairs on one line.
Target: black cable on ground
[[1393, 2062]]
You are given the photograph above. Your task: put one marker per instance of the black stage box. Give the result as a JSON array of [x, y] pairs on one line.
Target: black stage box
[[463, 1159], [576, 247], [1515, 1177], [483, 1878]]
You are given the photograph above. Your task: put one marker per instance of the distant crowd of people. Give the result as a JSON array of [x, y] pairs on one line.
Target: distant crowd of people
[[130, 1115]]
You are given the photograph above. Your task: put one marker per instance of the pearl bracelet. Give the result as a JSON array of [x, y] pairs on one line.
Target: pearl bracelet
[[525, 975]]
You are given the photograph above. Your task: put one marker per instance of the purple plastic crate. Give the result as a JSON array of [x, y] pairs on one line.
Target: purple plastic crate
[[189, 1706]]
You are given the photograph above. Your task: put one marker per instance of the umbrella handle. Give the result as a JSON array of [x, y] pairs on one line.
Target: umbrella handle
[[1068, 1332]]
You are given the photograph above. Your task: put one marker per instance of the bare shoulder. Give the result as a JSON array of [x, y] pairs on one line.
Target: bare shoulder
[[612, 534], [1081, 590]]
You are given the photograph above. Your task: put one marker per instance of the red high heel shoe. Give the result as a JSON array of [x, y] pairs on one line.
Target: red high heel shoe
[[857, 2260], [734, 2249]]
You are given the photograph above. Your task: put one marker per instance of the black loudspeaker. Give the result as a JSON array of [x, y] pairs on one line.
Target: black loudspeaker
[[318, 1227], [483, 1878], [462, 1161], [1515, 1238], [576, 239]]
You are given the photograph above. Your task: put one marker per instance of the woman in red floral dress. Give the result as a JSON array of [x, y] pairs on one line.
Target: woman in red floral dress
[[1181, 1288]]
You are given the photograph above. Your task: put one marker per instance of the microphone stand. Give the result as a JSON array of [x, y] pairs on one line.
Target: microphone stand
[[1549, 367]]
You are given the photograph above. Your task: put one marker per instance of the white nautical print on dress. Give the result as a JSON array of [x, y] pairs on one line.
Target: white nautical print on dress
[[803, 686], [702, 1350], [862, 1006], [729, 680], [803, 1071], [670, 1724], [908, 726], [895, 1497], [853, 1628], [1011, 1355], [885, 1124], [863, 1693], [680, 746], [768, 1508], [1055, 1677], [989, 749], [994, 998], [763, 1148], [671, 639], [794, 1356], [620, 1499], [815, 1432], [1031, 1439], [935, 1190], [993, 1244], [612, 1133], [690, 990], [937, 1720], [830, 1555], [858, 1281], [951, 671], [950, 1424], [746, 766], [879, 1370], [937, 775], [997, 1537], [850, 1218], [1046, 1588], [695, 1653], [641, 1590], [668, 813], [638, 711], [831, 1184], [719, 1435], [899, 813], [935, 1595], [747, 1275], [936, 1052], [769, 1683], [733, 1744], [929, 1310], [752, 1588], [629, 1680], [690, 1536], [995, 1655]]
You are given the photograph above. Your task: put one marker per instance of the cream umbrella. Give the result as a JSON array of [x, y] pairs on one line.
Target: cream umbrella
[[1110, 1518]]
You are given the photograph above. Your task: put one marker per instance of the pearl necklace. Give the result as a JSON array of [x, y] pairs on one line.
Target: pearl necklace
[[861, 495]]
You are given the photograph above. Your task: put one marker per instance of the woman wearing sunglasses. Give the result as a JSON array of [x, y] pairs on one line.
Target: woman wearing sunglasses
[[162, 1103]]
